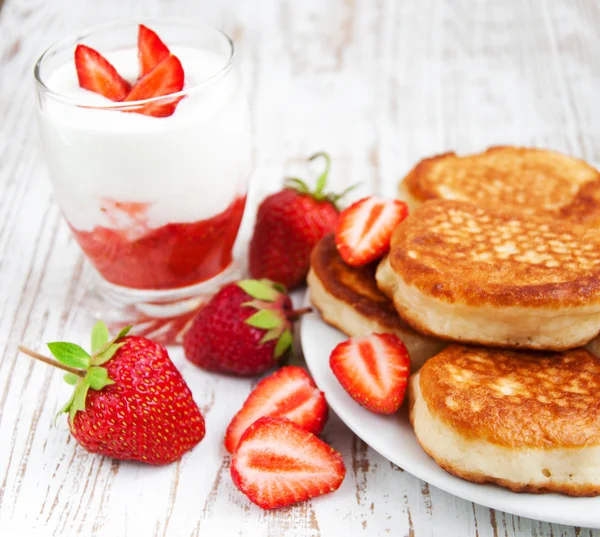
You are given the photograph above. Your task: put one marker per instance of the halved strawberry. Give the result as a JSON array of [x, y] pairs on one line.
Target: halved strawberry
[[289, 393], [166, 78], [374, 370], [96, 74], [278, 463], [151, 50], [365, 228]]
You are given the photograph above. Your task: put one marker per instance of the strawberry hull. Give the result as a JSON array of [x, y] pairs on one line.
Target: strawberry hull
[[168, 257]]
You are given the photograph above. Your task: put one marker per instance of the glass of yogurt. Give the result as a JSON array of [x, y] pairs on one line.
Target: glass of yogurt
[[154, 202]]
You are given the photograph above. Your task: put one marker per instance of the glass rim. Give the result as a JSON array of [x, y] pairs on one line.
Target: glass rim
[[75, 37]]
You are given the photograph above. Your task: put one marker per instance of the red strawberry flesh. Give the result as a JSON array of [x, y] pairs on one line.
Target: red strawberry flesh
[[373, 370], [278, 463], [151, 49], [365, 228], [165, 79], [290, 393], [96, 74], [180, 254]]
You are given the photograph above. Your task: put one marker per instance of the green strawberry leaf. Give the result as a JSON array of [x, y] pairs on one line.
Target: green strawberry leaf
[[103, 349], [71, 378], [297, 184], [99, 336], [334, 198], [256, 304], [78, 401], [318, 194], [259, 289], [270, 335], [65, 408], [70, 354], [98, 378], [265, 319], [123, 332], [107, 351], [277, 286], [104, 356], [283, 344]]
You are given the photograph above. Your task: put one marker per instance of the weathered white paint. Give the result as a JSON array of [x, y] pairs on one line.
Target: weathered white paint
[[379, 84]]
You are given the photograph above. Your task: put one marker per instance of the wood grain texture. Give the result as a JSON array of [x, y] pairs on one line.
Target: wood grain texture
[[378, 84]]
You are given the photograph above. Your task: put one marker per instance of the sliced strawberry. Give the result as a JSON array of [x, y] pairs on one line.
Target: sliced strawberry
[[289, 393], [278, 463], [374, 370], [365, 228], [151, 50], [166, 78], [96, 74]]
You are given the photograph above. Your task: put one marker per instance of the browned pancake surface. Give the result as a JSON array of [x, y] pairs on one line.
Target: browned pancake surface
[[354, 286], [456, 252], [526, 179], [516, 399]]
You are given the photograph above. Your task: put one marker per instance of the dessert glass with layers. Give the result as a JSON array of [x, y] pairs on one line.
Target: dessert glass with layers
[[155, 203]]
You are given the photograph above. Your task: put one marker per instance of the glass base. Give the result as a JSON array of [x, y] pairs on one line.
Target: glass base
[[162, 315]]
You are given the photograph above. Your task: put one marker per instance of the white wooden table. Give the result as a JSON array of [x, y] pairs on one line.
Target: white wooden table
[[378, 84]]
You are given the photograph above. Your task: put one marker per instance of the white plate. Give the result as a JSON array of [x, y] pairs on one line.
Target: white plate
[[393, 437]]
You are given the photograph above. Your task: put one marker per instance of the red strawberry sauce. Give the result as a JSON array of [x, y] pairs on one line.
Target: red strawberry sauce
[[174, 255]]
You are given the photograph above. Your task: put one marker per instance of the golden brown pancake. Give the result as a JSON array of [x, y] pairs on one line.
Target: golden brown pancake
[[496, 278], [525, 179], [527, 421], [348, 299]]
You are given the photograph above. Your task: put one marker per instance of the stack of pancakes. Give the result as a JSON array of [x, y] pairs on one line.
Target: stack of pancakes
[[496, 275]]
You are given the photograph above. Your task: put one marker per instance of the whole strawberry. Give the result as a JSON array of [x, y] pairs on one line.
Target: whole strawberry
[[288, 225], [130, 402], [243, 330]]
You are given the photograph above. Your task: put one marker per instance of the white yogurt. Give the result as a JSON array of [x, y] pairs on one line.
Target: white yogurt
[[187, 167]]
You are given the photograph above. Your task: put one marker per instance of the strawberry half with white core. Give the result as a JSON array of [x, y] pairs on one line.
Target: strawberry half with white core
[[289, 393], [278, 463], [164, 79], [245, 329], [161, 75], [130, 402], [365, 228], [151, 49], [96, 74], [374, 370]]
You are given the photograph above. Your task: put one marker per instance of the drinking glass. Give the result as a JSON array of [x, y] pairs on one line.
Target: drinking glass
[[155, 203]]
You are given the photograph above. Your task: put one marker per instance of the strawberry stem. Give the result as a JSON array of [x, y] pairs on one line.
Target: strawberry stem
[[49, 361], [322, 180], [319, 193], [294, 315]]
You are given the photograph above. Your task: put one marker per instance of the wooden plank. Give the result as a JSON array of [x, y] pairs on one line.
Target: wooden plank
[[378, 84]]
